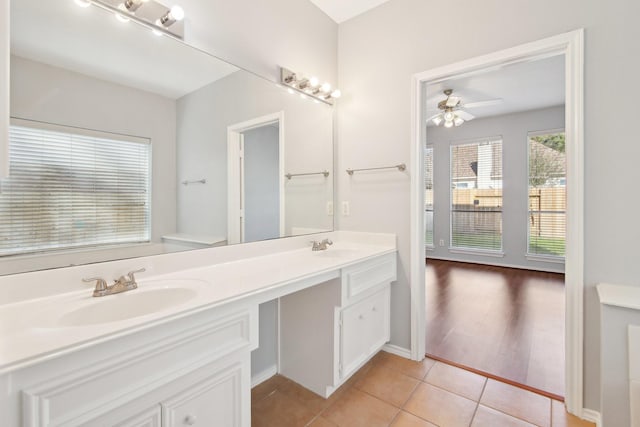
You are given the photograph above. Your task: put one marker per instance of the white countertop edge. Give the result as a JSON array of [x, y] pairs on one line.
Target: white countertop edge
[[262, 294], [619, 295]]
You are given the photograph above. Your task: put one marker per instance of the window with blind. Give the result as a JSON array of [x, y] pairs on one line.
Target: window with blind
[[547, 194], [476, 195], [428, 196], [70, 188]]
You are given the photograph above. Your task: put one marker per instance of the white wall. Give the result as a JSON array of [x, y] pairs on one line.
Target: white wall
[[54, 95], [513, 128], [383, 48], [203, 118]]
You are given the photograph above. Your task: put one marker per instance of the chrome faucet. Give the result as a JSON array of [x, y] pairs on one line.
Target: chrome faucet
[[122, 284], [321, 246]]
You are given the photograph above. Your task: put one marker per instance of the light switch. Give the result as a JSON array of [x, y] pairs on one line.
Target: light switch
[[345, 209], [329, 208]]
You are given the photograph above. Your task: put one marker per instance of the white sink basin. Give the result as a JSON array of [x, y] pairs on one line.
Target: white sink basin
[[336, 253], [150, 297]]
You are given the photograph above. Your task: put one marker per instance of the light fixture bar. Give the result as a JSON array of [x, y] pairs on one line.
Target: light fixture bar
[[308, 86], [147, 13]]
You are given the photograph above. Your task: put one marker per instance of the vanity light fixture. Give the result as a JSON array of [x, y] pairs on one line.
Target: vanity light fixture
[[159, 18], [309, 87]]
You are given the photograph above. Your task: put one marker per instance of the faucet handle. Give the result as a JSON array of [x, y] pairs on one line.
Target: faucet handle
[[101, 284], [327, 241], [132, 278]]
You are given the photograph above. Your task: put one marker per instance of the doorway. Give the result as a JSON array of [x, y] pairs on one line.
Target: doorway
[[570, 47], [256, 179]]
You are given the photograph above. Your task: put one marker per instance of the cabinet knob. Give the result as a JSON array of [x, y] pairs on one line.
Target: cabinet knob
[[374, 309], [190, 420]]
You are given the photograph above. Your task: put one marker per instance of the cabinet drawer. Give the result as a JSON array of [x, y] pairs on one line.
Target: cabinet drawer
[[359, 279], [364, 330]]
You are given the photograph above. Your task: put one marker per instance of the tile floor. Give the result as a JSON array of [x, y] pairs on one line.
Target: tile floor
[[393, 391]]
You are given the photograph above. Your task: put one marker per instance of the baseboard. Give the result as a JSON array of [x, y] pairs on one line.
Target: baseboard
[[398, 351], [593, 416], [261, 377]]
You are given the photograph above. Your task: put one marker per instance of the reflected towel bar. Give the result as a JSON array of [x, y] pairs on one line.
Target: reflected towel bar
[[401, 167], [196, 181], [291, 175]]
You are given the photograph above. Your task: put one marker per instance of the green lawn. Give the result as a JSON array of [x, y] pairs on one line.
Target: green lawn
[[537, 245], [546, 246]]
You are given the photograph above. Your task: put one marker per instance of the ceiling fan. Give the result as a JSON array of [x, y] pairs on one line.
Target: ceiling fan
[[452, 111]]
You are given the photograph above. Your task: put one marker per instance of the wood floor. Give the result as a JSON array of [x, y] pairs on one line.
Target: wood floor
[[507, 323]]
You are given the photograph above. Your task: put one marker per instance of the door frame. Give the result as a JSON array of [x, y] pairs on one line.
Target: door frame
[[235, 186], [571, 45]]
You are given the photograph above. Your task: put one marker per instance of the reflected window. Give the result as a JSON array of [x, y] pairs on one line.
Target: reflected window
[[69, 188], [428, 196]]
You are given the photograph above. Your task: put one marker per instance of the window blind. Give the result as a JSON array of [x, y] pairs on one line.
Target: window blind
[[547, 194], [428, 196], [68, 188], [476, 195]]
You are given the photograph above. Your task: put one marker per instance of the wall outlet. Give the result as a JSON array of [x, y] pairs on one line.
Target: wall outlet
[[329, 208], [441, 242], [346, 211]]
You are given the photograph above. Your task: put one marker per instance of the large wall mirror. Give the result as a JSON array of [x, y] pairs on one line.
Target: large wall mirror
[[124, 143]]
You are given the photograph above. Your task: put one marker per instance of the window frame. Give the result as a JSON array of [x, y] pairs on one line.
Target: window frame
[[433, 190]]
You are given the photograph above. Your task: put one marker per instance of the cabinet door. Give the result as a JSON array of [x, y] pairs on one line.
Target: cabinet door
[[365, 328], [215, 401], [149, 418]]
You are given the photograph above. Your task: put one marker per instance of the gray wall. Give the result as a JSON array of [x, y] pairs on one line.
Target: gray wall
[[261, 184], [54, 95], [202, 121], [383, 48], [513, 128], [265, 357]]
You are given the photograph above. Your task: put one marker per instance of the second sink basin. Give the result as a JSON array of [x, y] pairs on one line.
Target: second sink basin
[[162, 295]]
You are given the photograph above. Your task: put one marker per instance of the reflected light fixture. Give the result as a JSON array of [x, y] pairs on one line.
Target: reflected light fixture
[[448, 118], [150, 13], [310, 87]]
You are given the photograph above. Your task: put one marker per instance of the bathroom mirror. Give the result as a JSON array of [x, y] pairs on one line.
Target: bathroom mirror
[[124, 143]]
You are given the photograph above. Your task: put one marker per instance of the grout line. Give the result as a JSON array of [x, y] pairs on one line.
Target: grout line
[[484, 386]]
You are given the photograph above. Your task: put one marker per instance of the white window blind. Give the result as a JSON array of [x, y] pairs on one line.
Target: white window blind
[[476, 195], [70, 188], [547, 194], [428, 196]]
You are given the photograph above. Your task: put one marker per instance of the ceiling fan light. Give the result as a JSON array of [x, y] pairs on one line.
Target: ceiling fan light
[[449, 116], [448, 123], [458, 121], [437, 120]]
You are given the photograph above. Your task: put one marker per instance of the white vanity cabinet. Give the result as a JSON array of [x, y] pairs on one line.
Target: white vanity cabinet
[[193, 370], [327, 332]]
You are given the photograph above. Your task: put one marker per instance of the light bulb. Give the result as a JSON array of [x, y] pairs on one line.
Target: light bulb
[[83, 3], [458, 121], [448, 124], [336, 93], [122, 17], [177, 12], [326, 87], [437, 120], [313, 81], [449, 116]]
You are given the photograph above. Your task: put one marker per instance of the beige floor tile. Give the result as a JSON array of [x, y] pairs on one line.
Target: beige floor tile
[[265, 388], [321, 422], [389, 385], [440, 407], [408, 367], [456, 380], [560, 417], [487, 417], [356, 408], [405, 419], [309, 399], [517, 402], [278, 409]]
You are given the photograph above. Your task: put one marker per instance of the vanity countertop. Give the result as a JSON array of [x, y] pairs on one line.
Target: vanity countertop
[[39, 329]]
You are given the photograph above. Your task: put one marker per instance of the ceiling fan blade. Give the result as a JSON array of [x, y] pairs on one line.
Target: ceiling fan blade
[[433, 117], [465, 115], [487, 103], [452, 101]]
